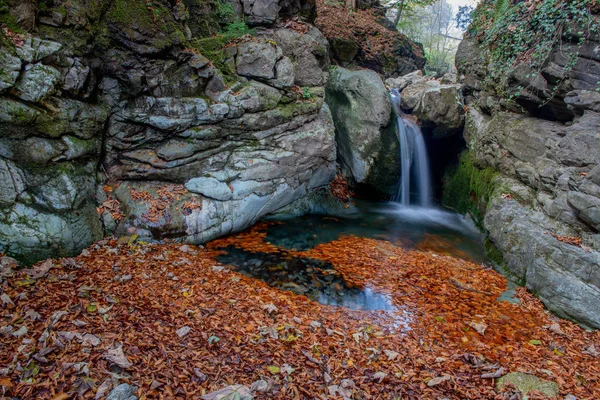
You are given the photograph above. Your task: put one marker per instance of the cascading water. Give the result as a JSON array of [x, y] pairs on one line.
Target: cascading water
[[413, 159]]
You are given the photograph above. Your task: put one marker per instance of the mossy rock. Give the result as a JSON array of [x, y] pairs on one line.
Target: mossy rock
[[146, 29], [467, 188], [344, 49], [526, 383]]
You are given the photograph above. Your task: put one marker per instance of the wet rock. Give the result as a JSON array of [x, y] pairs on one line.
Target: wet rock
[[402, 82], [361, 110], [36, 83], [10, 67], [437, 106], [526, 383], [123, 392]]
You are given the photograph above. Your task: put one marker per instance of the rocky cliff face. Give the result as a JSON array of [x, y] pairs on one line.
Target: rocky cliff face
[[114, 121], [539, 156]]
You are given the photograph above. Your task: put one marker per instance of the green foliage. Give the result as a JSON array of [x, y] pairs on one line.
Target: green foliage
[[502, 7], [467, 188], [224, 11], [306, 93], [528, 32], [215, 48], [237, 29]]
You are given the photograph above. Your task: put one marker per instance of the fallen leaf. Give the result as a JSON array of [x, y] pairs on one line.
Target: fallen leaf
[[492, 375], [391, 355], [117, 356], [438, 380], [380, 376]]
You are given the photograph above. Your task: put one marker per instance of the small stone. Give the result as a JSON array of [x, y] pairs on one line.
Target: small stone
[[260, 386], [123, 392], [181, 332]]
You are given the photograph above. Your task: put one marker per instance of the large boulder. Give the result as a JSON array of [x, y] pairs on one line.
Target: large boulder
[[268, 12], [365, 133], [226, 185], [438, 106]]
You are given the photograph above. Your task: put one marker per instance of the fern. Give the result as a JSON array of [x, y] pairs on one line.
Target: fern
[[502, 7]]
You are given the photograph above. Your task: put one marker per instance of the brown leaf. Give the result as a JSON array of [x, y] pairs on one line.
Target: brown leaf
[[117, 356]]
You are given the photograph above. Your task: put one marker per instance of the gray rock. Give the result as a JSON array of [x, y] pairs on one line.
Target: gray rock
[[587, 208], [10, 67], [267, 12], [257, 59], [565, 277], [308, 52], [361, 109], [437, 106], [76, 77], [284, 74], [35, 49], [30, 235], [581, 100], [36, 83], [238, 184], [402, 82], [11, 183], [123, 392], [210, 187]]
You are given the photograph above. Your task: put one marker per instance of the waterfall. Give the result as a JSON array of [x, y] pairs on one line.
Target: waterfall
[[413, 159]]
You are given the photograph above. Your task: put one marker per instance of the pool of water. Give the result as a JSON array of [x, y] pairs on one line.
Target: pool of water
[[431, 229], [316, 279]]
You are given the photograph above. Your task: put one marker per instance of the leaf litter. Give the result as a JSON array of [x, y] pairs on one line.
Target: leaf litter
[[248, 339]]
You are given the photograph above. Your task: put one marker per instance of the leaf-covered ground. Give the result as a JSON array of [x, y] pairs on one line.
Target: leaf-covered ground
[[173, 322]]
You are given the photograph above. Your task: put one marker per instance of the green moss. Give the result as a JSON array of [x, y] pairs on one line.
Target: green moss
[[467, 188], [7, 19], [493, 253], [215, 49], [151, 17]]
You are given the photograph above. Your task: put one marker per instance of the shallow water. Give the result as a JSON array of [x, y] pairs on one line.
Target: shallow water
[[430, 229], [433, 229]]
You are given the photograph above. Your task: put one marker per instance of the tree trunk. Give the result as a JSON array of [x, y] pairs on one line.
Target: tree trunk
[[351, 4], [399, 14]]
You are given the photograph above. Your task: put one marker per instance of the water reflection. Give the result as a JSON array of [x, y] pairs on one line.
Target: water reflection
[[318, 280]]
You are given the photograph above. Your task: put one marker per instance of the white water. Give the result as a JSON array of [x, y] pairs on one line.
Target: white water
[[413, 159]]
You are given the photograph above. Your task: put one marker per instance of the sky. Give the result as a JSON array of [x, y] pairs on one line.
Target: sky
[[457, 3]]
